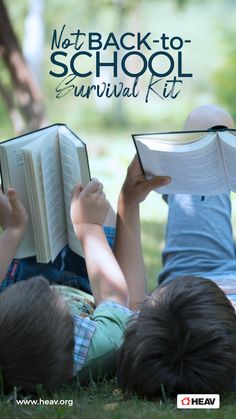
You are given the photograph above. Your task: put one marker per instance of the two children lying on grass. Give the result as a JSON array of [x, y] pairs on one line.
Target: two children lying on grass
[[182, 337]]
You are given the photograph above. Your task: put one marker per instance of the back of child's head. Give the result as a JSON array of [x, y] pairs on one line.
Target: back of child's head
[[183, 341], [36, 336]]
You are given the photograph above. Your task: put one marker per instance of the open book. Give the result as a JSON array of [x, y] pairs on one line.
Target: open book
[[43, 167], [199, 162]]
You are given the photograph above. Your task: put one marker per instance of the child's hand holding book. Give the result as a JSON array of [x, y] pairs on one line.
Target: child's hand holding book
[[13, 219], [13, 215], [88, 211], [88, 206], [136, 187]]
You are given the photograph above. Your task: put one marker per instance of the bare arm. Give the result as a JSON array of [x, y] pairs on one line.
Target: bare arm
[[13, 219], [88, 211], [128, 249]]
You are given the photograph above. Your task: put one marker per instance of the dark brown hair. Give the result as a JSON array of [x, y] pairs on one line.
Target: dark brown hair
[[183, 341], [36, 336]]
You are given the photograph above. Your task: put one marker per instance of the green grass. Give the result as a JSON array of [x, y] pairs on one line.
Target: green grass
[[105, 401], [153, 242]]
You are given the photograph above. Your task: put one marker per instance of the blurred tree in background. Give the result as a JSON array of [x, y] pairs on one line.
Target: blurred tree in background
[[18, 89]]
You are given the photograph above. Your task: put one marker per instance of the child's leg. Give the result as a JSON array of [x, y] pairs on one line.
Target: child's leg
[[198, 236], [67, 269], [24, 269]]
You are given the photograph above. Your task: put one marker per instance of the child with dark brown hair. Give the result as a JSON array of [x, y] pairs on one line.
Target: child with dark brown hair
[[183, 340], [50, 334]]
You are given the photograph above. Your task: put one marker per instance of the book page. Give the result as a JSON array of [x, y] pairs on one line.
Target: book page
[[13, 174], [34, 183], [54, 197], [228, 146], [195, 168], [172, 137], [49, 202], [74, 169]]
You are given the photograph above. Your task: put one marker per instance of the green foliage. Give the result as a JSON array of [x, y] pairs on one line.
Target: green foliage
[[225, 78]]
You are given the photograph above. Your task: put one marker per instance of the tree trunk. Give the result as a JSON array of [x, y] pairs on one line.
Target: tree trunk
[[27, 95]]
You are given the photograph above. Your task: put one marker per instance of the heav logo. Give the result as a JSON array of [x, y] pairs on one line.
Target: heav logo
[[198, 401]]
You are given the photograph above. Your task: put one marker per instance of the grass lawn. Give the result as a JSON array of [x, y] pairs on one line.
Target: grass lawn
[[105, 401]]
